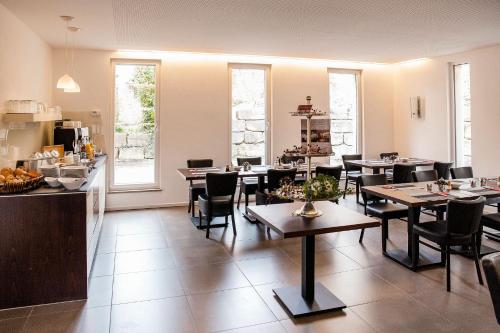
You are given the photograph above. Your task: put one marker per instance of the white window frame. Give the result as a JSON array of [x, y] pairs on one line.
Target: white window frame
[[268, 113], [453, 114], [359, 114], [156, 185]]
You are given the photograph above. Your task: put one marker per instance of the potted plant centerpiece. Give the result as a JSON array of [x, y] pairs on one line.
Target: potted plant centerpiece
[[322, 187]]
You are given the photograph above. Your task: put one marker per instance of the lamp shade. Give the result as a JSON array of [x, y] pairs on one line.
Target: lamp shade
[[75, 89], [66, 82]]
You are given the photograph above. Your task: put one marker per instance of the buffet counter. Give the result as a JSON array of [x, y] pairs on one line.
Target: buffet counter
[[48, 240]]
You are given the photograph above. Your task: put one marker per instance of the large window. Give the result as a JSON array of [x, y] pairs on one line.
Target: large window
[[344, 113], [462, 119], [135, 141], [249, 110]]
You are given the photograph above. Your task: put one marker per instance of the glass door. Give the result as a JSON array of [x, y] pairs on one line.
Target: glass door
[[135, 135]]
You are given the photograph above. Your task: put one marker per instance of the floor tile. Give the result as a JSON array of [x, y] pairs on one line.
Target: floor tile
[[144, 260], [140, 226], [94, 320], [344, 321], [329, 262], [100, 291], [15, 313], [402, 314], [229, 309], [106, 245], [13, 325], [268, 270], [357, 287], [161, 316], [253, 249], [274, 327], [104, 264], [265, 291], [140, 242], [201, 255], [143, 286], [200, 279]]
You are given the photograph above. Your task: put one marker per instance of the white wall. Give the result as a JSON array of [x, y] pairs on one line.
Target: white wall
[[430, 137], [194, 109], [25, 73]]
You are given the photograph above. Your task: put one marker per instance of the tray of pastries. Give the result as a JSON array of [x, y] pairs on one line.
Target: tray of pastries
[[19, 180]]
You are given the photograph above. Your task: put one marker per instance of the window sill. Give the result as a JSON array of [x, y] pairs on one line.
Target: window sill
[[138, 190]]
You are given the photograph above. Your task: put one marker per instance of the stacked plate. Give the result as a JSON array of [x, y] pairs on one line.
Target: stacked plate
[[50, 171]]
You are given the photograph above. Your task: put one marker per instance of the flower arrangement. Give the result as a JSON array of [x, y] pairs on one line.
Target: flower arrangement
[[322, 187]]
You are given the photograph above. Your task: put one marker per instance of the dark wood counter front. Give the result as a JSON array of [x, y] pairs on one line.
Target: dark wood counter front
[[48, 240]]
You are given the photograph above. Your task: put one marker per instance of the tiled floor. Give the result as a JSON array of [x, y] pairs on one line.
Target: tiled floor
[[155, 272]]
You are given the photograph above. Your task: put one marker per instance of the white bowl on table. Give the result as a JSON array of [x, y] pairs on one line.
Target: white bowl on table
[[52, 181], [71, 183]]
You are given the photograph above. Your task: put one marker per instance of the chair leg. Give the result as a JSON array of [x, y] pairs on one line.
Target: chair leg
[[189, 206], [246, 201], [225, 218], [357, 190], [192, 208], [346, 183], [209, 219], [361, 235], [443, 255], [476, 261], [234, 223], [239, 199], [448, 273], [385, 225]]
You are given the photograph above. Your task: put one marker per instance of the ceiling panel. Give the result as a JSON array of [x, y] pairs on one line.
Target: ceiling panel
[[363, 30]]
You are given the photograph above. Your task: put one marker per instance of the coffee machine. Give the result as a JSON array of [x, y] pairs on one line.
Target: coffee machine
[[69, 136]]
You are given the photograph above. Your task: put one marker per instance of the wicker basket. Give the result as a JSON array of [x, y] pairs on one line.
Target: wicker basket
[[20, 187]]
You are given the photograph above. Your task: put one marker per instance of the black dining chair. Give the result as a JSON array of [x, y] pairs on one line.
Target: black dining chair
[[195, 189], [491, 221], [401, 173], [332, 171], [299, 179], [219, 198], [429, 176], [274, 180], [443, 169], [248, 186], [379, 207], [491, 267], [352, 173], [462, 172], [461, 227]]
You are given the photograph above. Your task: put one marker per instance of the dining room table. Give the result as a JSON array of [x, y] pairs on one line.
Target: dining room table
[[309, 297], [376, 165], [417, 196], [259, 171]]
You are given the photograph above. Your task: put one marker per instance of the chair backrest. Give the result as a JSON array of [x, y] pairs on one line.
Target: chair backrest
[[334, 171], [202, 163], [348, 167], [424, 175], [274, 177], [250, 160], [491, 266], [402, 173], [371, 180], [464, 216], [221, 183], [463, 172], [443, 169], [384, 155]]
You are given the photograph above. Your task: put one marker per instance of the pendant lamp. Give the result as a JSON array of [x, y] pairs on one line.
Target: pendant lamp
[[66, 81]]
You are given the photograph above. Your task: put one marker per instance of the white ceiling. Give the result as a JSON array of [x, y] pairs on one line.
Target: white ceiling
[[362, 30]]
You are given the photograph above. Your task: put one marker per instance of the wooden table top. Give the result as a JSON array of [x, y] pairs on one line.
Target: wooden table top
[[379, 164], [200, 173], [335, 218], [416, 194]]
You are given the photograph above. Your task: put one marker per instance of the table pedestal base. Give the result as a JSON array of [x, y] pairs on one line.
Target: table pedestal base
[[324, 301], [425, 260]]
